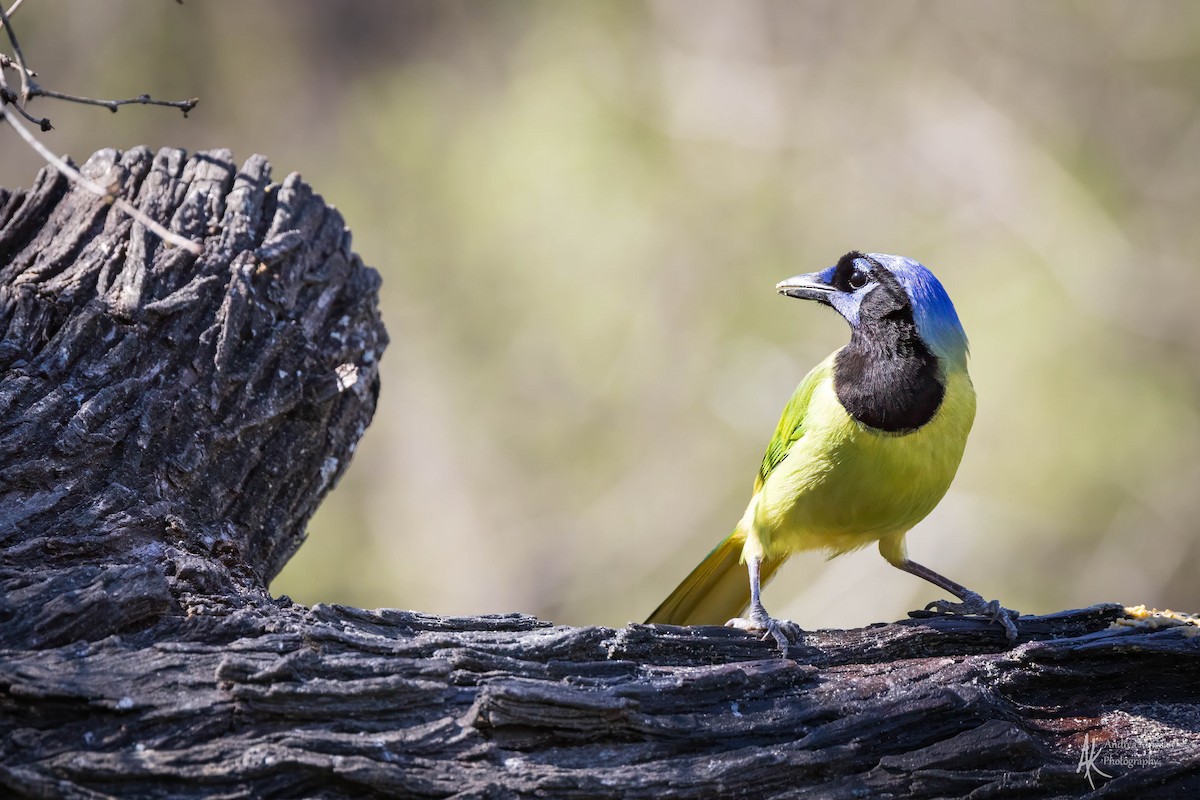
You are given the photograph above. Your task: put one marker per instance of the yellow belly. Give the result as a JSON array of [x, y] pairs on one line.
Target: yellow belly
[[843, 486]]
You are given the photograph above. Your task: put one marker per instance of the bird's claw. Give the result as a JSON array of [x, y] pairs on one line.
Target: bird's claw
[[974, 605], [785, 632]]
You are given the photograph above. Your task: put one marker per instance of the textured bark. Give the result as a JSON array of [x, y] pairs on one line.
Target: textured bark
[[168, 424]]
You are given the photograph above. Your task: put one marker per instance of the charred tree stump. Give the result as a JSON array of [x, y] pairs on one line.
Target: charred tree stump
[[168, 423]]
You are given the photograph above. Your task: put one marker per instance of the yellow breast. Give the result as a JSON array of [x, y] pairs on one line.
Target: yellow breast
[[844, 485]]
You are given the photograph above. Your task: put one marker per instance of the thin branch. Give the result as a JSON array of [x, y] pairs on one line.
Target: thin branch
[[112, 105], [13, 10], [7, 97], [8, 63], [75, 176], [30, 88], [26, 81]]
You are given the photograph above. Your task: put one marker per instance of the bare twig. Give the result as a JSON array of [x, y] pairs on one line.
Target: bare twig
[[8, 63], [112, 105], [26, 81], [8, 96], [30, 88], [12, 10], [12, 104], [75, 176], [10, 99]]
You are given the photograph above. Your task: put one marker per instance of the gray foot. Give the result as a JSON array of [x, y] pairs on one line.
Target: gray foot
[[783, 631], [974, 605]]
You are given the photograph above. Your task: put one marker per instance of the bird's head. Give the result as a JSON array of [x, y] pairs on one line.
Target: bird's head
[[870, 288]]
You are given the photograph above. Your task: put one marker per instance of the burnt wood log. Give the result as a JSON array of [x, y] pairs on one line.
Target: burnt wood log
[[169, 422]]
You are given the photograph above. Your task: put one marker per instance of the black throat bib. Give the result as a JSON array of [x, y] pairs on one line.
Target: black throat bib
[[886, 378]]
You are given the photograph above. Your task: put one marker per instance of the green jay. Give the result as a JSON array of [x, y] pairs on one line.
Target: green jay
[[866, 447]]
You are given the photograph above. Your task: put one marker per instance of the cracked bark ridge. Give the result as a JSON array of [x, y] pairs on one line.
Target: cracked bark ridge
[[275, 700], [169, 422]]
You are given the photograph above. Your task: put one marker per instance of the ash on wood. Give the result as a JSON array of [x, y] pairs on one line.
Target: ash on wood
[[168, 423]]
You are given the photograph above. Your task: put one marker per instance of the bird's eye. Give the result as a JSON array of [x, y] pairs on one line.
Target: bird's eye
[[858, 279]]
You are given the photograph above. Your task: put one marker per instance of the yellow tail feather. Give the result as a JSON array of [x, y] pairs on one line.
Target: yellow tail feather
[[715, 591]]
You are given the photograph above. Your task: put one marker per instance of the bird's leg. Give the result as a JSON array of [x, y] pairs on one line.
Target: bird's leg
[[971, 602], [783, 631]]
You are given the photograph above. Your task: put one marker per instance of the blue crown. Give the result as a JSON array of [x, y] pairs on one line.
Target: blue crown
[[933, 312]]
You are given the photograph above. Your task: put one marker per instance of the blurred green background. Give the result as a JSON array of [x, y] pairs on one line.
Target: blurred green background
[[580, 211]]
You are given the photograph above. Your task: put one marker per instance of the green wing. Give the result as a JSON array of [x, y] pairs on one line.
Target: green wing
[[791, 423], [717, 590]]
